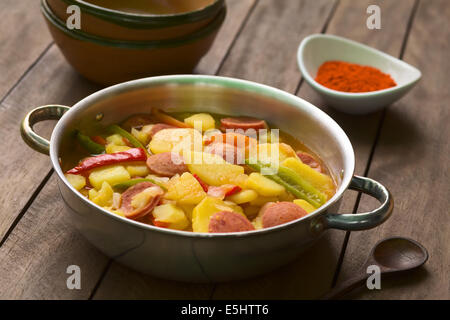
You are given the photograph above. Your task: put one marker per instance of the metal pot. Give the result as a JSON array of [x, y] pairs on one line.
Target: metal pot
[[198, 257]]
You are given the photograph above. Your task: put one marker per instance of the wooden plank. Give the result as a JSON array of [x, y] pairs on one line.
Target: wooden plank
[[122, 283], [51, 81], [237, 12], [310, 280], [61, 85], [35, 256], [412, 159], [266, 52], [34, 259], [23, 38]]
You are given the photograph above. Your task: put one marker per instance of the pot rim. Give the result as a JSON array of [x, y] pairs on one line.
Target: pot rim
[[231, 83]]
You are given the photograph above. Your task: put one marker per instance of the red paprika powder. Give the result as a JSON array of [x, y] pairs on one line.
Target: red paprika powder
[[350, 77]]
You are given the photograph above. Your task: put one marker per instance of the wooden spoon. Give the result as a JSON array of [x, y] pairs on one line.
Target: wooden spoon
[[390, 255]]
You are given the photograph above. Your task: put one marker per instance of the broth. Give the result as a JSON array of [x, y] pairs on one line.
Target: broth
[[144, 169]]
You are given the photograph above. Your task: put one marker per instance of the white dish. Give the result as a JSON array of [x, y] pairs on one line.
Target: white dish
[[316, 49]]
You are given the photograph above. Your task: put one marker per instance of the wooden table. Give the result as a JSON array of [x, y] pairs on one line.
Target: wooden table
[[406, 147]]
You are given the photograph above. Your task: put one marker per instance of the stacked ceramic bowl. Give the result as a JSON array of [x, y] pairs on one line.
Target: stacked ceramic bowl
[[111, 41]]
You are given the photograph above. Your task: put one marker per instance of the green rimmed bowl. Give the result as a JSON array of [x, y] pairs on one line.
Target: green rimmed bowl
[[106, 61], [319, 48], [138, 24]]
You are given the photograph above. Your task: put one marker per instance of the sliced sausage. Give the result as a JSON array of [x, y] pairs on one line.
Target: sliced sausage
[[166, 164], [244, 123], [127, 197], [228, 152], [158, 127], [137, 121], [309, 160], [280, 213], [227, 221]]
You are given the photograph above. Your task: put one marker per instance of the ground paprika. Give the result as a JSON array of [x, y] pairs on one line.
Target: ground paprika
[[350, 77]]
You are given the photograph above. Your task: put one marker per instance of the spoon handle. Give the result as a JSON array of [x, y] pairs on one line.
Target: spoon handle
[[345, 287]]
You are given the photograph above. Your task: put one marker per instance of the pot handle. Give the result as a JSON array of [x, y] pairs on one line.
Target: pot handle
[[367, 220], [31, 138]]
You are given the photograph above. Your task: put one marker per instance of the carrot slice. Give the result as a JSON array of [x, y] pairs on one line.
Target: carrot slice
[[99, 140], [236, 139], [202, 183], [165, 118]]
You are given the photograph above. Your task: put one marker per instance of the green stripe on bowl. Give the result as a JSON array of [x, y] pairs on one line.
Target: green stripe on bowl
[[83, 36], [147, 21]]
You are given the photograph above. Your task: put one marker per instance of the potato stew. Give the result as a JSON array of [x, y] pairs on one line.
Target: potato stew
[[199, 172]]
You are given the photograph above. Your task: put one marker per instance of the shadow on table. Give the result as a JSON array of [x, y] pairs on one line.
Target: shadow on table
[[308, 277]]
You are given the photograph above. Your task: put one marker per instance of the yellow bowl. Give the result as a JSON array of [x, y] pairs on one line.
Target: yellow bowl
[[139, 25], [108, 62]]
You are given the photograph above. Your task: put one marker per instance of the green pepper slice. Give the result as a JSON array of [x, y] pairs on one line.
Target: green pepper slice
[[89, 144], [135, 142], [293, 183]]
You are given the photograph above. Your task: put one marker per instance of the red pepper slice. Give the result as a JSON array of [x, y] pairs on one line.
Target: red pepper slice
[[161, 224], [135, 154], [202, 183], [223, 191], [233, 190], [157, 223]]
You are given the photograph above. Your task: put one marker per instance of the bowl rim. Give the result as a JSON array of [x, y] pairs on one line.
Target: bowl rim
[[342, 94], [231, 83], [147, 20], [211, 27]]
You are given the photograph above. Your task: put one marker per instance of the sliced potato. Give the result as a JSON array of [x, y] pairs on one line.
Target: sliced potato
[[112, 148], [212, 169], [177, 140], [171, 214], [77, 181], [205, 120], [185, 189], [264, 186], [138, 170], [204, 210], [187, 208], [92, 194], [234, 207], [162, 181], [269, 153], [318, 180], [243, 196], [103, 197], [112, 174], [116, 139], [257, 222], [118, 212], [141, 135], [305, 205], [286, 196], [240, 180], [142, 199]]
